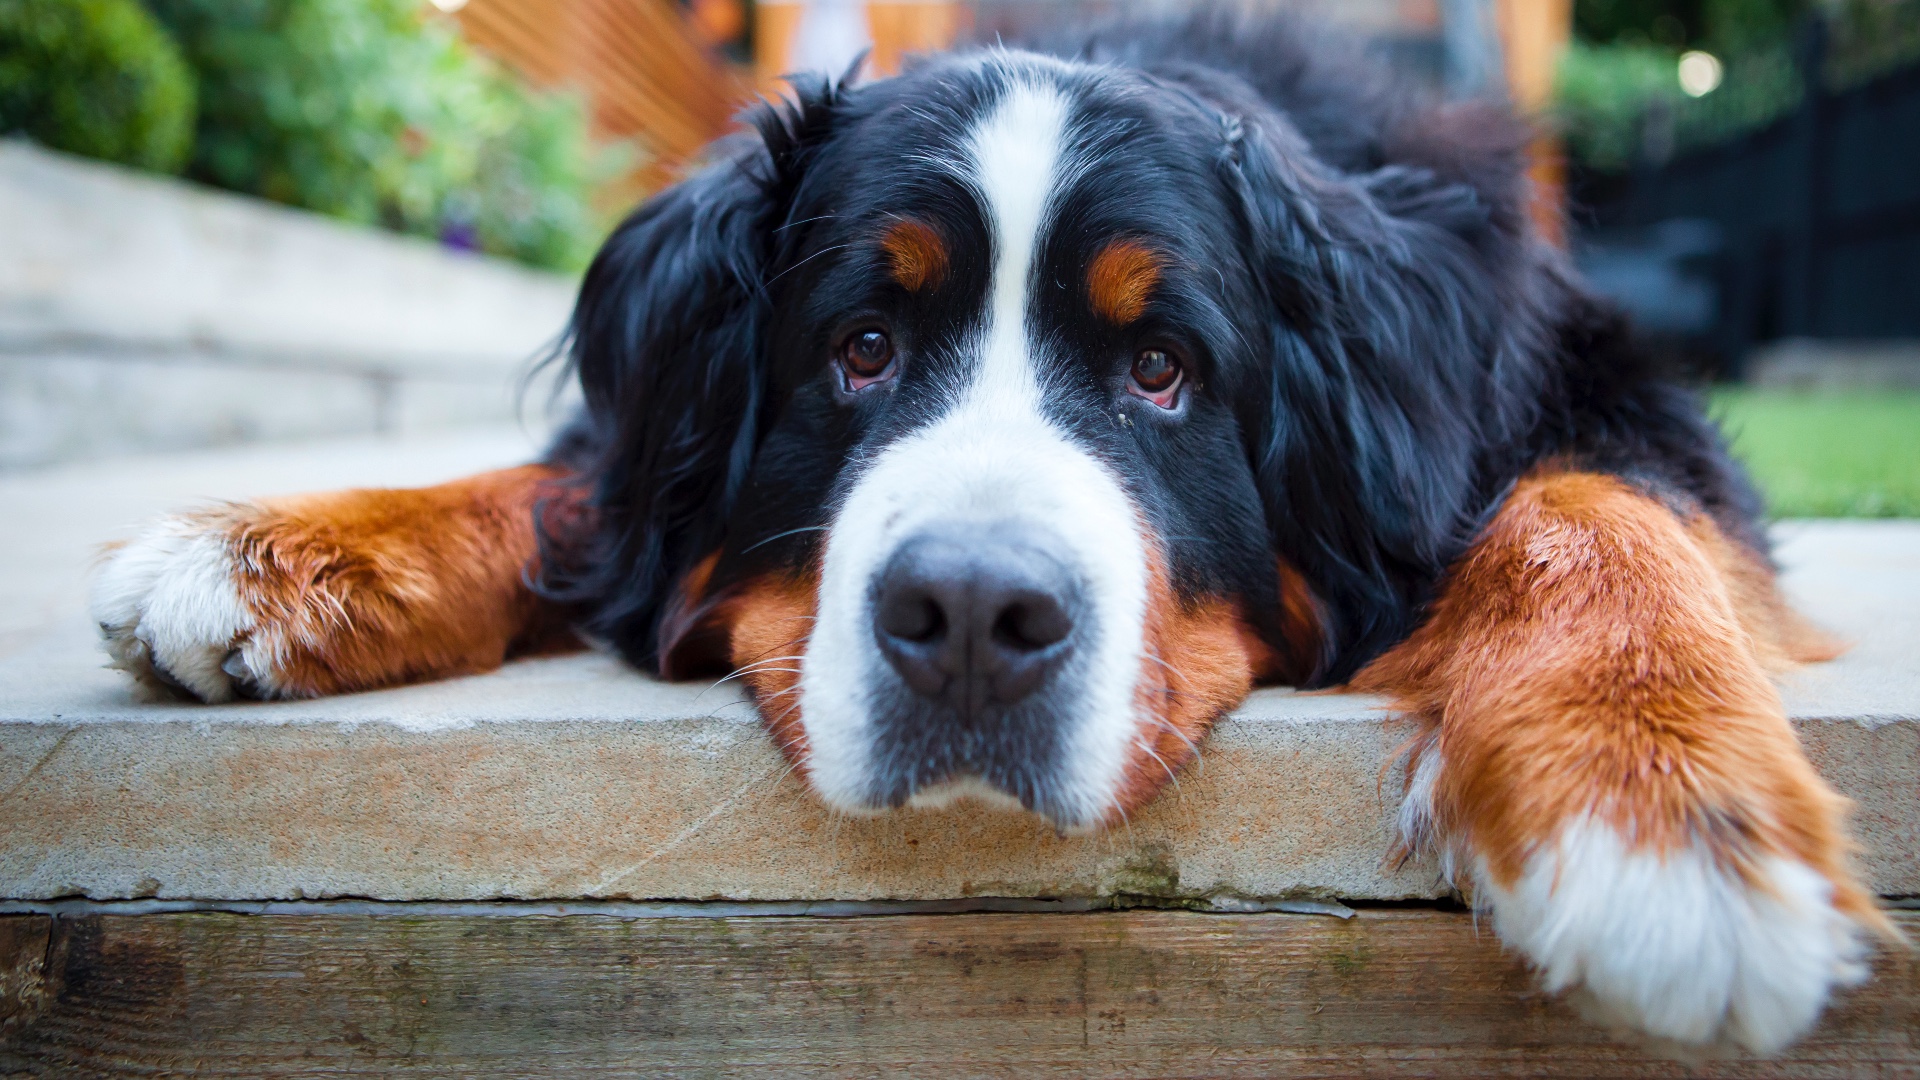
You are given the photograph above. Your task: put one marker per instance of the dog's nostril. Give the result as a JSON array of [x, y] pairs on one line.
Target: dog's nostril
[[974, 615], [1032, 622], [912, 616]]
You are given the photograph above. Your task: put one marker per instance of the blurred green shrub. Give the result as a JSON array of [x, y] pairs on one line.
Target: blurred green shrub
[[1617, 93], [95, 77], [1870, 38], [1602, 94], [1692, 24], [376, 112], [1615, 103]]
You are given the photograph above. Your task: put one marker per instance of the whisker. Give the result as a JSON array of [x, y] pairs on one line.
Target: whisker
[[749, 669], [750, 665], [760, 703], [783, 773], [805, 221], [1177, 673], [823, 251], [789, 532], [1163, 764], [787, 644], [784, 715], [1192, 747], [756, 671], [1168, 691]]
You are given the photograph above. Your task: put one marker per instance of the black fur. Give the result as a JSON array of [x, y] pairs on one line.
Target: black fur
[[1382, 345]]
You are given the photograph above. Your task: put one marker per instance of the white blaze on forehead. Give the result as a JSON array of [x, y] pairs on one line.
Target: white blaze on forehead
[[993, 457], [1016, 156]]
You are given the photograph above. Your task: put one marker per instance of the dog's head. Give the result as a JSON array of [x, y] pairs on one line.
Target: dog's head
[[1005, 421]]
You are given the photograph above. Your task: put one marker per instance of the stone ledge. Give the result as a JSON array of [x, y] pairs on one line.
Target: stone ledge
[[96, 254], [142, 313], [578, 778]]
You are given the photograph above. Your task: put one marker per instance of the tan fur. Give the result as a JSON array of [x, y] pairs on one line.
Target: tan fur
[[1593, 652], [1201, 657], [1782, 637], [1302, 628], [369, 588], [769, 622], [1121, 279], [916, 254]]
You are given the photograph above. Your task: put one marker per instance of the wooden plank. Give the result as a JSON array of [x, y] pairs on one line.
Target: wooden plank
[[1390, 993], [23, 952]]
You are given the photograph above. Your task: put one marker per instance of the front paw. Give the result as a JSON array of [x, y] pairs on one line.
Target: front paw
[[1679, 945], [170, 608]]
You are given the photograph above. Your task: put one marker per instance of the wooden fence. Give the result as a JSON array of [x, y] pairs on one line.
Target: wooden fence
[[657, 72], [641, 65]]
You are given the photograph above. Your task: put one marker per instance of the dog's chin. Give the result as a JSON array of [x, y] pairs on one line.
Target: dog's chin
[[969, 790], [965, 795]]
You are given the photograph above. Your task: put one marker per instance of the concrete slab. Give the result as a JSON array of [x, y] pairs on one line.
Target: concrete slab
[[92, 252], [141, 313], [578, 778], [1836, 364]]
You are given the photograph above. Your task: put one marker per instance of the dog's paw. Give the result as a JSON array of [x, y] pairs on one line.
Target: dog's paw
[[170, 608], [1677, 945]]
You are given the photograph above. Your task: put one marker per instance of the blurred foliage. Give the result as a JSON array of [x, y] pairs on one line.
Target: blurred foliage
[[95, 77], [373, 111], [1601, 94], [1617, 103], [1874, 37], [1618, 97], [1687, 24], [1832, 454], [1671, 24]]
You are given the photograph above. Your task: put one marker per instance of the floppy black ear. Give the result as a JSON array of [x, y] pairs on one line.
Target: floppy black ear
[[668, 341], [1398, 380]]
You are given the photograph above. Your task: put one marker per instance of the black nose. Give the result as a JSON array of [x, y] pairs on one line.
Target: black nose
[[974, 615]]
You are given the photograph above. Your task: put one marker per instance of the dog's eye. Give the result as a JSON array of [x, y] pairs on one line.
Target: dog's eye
[[866, 355], [1156, 376]]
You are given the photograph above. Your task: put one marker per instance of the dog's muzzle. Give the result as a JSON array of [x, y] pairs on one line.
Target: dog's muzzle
[[980, 624]]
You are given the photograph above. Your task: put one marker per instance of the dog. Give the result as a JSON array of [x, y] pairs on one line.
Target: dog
[[1003, 422]]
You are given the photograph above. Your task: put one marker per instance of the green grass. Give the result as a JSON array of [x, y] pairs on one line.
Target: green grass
[[1827, 454]]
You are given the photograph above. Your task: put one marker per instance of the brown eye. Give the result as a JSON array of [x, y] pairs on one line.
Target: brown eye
[[866, 355], [1156, 374]]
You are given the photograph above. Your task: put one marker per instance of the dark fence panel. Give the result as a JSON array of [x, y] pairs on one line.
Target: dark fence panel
[[1818, 217]]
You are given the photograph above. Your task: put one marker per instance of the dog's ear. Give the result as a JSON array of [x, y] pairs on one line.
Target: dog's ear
[[1401, 338], [668, 341]]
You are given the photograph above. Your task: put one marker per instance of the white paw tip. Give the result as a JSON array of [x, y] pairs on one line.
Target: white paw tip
[[1676, 947], [168, 609]]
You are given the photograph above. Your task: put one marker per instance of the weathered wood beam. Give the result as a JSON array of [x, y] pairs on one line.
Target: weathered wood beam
[[1393, 992]]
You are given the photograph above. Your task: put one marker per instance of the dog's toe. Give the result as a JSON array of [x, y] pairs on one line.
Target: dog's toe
[[170, 610]]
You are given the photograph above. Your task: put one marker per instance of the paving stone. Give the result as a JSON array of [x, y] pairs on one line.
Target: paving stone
[[142, 313]]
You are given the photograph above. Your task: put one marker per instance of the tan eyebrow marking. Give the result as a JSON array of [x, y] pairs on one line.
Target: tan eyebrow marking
[[918, 255], [1121, 278]]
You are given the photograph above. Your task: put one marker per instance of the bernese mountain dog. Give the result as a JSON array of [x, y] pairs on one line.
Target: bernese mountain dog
[[1003, 422]]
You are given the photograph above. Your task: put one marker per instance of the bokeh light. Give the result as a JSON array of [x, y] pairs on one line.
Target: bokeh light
[[1700, 73]]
